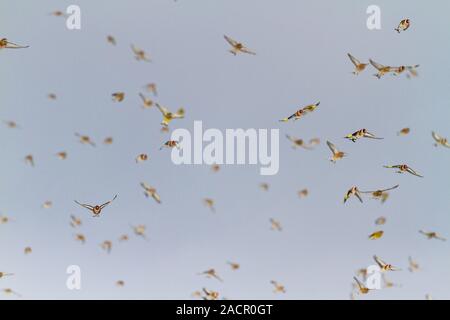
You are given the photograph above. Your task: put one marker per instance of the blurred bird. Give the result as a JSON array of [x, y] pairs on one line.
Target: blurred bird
[[210, 295], [215, 168], [275, 225], [413, 266], [300, 143], [382, 70], [118, 96], [380, 221], [170, 144], [361, 287], [108, 140], [47, 205], [403, 25], [337, 155], [278, 288], [139, 54], [4, 219], [52, 96], [376, 235], [120, 283], [388, 283], [139, 230], [29, 160], [58, 13], [432, 235], [359, 67], [75, 222], [378, 194], [151, 87], [303, 193], [363, 133], [210, 204], [404, 132], [353, 192], [27, 250], [302, 112], [124, 237], [440, 140], [362, 273], [211, 273], [412, 70], [111, 40], [106, 245], [404, 168], [233, 265], [11, 124], [168, 115], [9, 291], [80, 237], [385, 266], [142, 157], [5, 274], [149, 191], [85, 139], [237, 47], [62, 155], [96, 209], [5, 44], [264, 186], [146, 102]]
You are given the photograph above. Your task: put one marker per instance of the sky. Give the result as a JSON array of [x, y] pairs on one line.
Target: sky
[[301, 58]]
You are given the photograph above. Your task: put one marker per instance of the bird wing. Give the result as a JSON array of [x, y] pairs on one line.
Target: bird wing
[[376, 65], [332, 147], [355, 61], [413, 172], [246, 50], [106, 203], [230, 41], [380, 262], [86, 206]]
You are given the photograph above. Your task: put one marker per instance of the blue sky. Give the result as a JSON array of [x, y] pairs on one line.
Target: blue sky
[[301, 58]]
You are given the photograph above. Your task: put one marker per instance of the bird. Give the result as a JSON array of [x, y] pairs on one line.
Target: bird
[[29, 160], [353, 191], [118, 96], [106, 245], [5, 274], [233, 265], [380, 221], [432, 235], [362, 133], [149, 191], [403, 25], [404, 132], [278, 288], [151, 87], [404, 168], [52, 96], [4, 219], [85, 139], [47, 205], [211, 273], [11, 124], [58, 13], [264, 186], [302, 112], [9, 291], [5, 44], [108, 140], [62, 155], [95, 209], [123, 237], [111, 40], [27, 250], [168, 115], [382, 69], [440, 140], [359, 67], [120, 283], [413, 266], [75, 222], [170, 144], [303, 193], [376, 235], [378, 194], [142, 157], [210, 204], [210, 295], [80, 237], [275, 225], [337, 155], [237, 47], [139, 54], [301, 143], [388, 283], [146, 102], [139, 230], [215, 167], [385, 266], [362, 289]]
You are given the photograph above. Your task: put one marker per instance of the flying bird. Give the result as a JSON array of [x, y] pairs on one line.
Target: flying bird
[[210, 204], [275, 225], [353, 191], [382, 69], [385, 266], [278, 288], [151, 87], [233, 265], [62, 155], [75, 222], [401, 168], [149, 191], [170, 144], [146, 102], [337, 155], [211, 273], [362, 133], [302, 112], [403, 25], [142, 157], [111, 40], [379, 194], [303, 193], [29, 160], [404, 132], [108, 140], [237, 47], [118, 96], [5, 274], [440, 140], [359, 67], [106, 245], [85, 139], [380, 221], [413, 266], [432, 235], [376, 235], [96, 209], [5, 44], [168, 115], [80, 237], [301, 143], [362, 289], [139, 54]]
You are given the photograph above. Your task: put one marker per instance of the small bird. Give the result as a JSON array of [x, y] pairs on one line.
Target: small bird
[[382, 69], [210, 204], [47, 204], [210, 295], [106, 245], [362, 133], [359, 67], [170, 144], [5, 274], [432, 235], [96, 209], [139, 230], [440, 140], [111, 40], [303, 193], [413, 266], [85, 139], [146, 102], [118, 96], [380, 221], [376, 235], [108, 140], [412, 70], [404, 168], [120, 283], [5, 44], [149, 191], [11, 124], [275, 225], [211, 273], [142, 157], [75, 222], [237, 47], [62, 155], [52, 96], [361, 287], [214, 167], [151, 87], [124, 237], [278, 288], [301, 143], [403, 25], [80, 237], [337, 155], [169, 116], [9, 291], [264, 186], [385, 266], [302, 112], [58, 13], [378, 194], [4, 219], [139, 54], [233, 265], [27, 250], [362, 272], [353, 191], [404, 132], [388, 283], [29, 160]]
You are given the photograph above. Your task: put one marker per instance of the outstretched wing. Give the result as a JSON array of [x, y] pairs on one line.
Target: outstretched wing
[[106, 203], [436, 136], [163, 110], [380, 262], [354, 60], [377, 65], [86, 206], [246, 50], [230, 41], [413, 172], [332, 147]]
